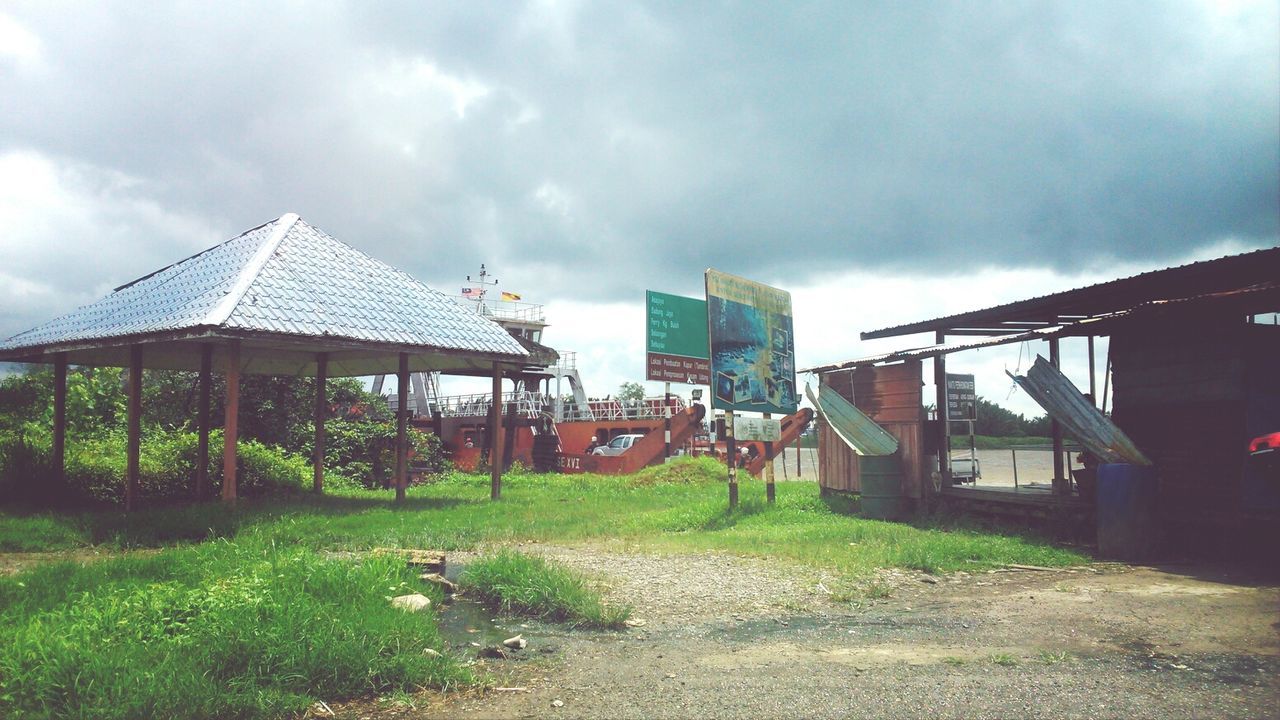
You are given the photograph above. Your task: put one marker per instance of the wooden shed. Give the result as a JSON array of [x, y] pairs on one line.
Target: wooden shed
[[1195, 358], [891, 396]]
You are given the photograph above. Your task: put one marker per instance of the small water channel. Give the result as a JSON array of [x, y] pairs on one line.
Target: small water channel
[[469, 626]]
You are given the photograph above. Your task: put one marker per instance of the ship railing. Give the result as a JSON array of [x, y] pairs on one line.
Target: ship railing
[[528, 404], [505, 309], [568, 361], [651, 408], [531, 405]]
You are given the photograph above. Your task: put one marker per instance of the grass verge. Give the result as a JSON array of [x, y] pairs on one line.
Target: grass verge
[[220, 630], [533, 586]]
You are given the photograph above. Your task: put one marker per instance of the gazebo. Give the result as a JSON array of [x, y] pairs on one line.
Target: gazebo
[[283, 298]]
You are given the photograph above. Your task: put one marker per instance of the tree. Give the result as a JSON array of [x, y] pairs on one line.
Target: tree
[[631, 393]]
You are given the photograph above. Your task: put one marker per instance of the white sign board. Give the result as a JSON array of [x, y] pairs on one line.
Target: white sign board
[[758, 429]]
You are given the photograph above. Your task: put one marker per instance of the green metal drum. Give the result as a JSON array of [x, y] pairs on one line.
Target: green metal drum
[[881, 482]]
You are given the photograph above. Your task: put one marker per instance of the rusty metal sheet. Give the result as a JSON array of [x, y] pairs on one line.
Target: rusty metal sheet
[[1065, 403], [857, 430]]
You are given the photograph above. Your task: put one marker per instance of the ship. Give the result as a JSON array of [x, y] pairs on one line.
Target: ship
[[550, 424]]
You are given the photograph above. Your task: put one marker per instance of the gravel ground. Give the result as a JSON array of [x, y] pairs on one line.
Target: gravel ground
[[726, 637]]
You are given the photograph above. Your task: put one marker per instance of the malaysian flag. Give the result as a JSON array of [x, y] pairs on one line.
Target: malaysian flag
[[471, 293]]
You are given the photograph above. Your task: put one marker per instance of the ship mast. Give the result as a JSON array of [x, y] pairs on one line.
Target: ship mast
[[484, 285]]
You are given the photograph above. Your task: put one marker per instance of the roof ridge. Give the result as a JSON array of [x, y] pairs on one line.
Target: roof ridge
[[220, 312]]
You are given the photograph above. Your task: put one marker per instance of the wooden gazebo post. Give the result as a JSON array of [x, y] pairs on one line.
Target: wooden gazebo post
[[134, 443], [202, 421], [495, 437], [402, 422], [59, 458], [230, 418], [322, 406]]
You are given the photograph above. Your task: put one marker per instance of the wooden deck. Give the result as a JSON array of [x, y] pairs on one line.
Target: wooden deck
[[1064, 515]]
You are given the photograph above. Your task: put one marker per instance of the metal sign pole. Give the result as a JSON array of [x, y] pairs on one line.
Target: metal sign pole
[[731, 450], [666, 415]]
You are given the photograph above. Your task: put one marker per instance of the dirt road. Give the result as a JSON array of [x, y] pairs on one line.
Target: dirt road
[[733, 638]]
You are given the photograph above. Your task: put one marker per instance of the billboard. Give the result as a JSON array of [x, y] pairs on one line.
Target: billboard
[[676, 339], [753, 367], [962, 400]]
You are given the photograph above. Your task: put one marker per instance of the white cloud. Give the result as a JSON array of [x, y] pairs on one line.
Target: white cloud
[[70, 232], [19, 45]]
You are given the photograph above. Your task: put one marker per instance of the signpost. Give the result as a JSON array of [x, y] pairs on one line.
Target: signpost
[[676, 339], [962, 406], [675, 345], [962, 401], [752, 362]]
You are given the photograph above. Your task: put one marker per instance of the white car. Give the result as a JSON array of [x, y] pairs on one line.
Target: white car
[[618, 445]]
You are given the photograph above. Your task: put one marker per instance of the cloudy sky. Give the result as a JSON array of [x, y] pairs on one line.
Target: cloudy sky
[[885, 162]]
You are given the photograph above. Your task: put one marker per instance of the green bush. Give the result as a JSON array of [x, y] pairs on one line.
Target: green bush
[[364, 451]]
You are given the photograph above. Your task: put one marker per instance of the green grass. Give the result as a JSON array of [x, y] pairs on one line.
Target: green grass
[[244, 612], [533, 586], [990, 442], [224, 629]]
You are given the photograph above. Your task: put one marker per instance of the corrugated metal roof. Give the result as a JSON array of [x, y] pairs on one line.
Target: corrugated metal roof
[[1198, 278], [283, 278], [1065, 403], [934, 350], [853, 426]]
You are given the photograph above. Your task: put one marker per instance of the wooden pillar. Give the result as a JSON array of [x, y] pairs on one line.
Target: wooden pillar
[[731, 450], [135, 427], [230, 422], [59, 458], [1060, 484], [402, 422], [769, 489], [1093, 379], [944, 427], [202, 421], [321, 409], [495, 433]]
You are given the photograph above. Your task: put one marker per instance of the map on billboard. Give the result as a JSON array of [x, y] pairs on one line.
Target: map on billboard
[[676, 339], [753, 367]]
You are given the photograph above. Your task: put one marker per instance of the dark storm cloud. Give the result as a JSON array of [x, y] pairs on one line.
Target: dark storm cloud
[[605, 148]]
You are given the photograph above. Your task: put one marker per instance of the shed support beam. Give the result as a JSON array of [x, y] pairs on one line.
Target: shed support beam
[[202, 421], [59, 458], [1060, 485], [322, 406], [495, 433], [944, 427], [1093, 375], [134, 444], [402, 422], [230, 422]]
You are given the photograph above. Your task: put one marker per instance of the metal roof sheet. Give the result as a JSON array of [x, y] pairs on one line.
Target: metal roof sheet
[[1065, 403], [284, 278], [1198, 278], [852, 425]]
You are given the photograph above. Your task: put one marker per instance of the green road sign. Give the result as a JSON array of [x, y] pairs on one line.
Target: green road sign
[[676, 339]]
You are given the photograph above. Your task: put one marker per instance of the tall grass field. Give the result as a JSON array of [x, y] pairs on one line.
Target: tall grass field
[[260, 609]]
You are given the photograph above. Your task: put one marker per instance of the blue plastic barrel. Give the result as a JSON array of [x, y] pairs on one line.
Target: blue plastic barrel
[[1127, 528]]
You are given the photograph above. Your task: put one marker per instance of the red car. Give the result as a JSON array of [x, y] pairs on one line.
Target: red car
[[1264, 453]]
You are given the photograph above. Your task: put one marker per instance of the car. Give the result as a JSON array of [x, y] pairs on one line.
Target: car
[[1264, 454], [966, 470], [618, 445]]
